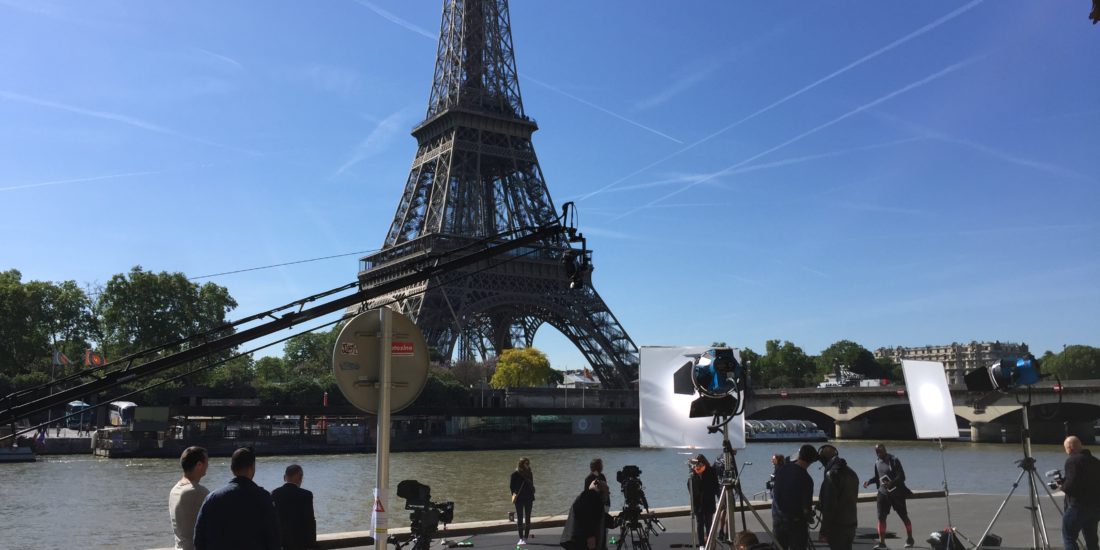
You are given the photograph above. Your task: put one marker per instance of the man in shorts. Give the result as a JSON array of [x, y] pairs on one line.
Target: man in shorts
[[890, 479]]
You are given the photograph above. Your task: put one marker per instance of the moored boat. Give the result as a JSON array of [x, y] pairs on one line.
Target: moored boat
[[16, 454], [783, 430]]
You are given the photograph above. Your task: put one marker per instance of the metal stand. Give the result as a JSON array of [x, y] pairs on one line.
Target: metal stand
[[731, 489], [1027, 467], [952, 531]]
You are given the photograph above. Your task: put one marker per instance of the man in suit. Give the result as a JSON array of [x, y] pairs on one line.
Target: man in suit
[[239, 515], [294, 506]]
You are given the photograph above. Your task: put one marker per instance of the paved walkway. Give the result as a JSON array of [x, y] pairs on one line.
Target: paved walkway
[[970, 514]]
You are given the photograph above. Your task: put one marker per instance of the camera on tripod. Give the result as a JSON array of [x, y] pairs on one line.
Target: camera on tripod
[[426, 515], [1056, 479], [630, 481]]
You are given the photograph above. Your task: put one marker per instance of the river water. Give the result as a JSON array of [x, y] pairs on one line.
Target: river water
[[64, 502]]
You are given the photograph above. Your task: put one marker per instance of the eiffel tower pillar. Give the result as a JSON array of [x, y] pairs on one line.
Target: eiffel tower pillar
[[476, 179]]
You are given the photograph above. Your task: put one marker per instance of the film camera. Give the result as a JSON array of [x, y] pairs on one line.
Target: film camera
[[635, 521], [630, 481], [426, 515], [1056, 479]]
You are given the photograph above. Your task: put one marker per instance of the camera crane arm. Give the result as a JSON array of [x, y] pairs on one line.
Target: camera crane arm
[[108, 379]]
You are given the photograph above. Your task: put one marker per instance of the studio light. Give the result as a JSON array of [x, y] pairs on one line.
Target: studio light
[[1005, 374], [717, 376]]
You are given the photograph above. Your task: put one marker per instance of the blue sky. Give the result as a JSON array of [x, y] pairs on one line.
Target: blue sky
[[894, 173]]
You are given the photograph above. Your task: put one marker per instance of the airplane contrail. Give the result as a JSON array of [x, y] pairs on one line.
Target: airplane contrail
[[930, 78], [957, 12], [80, 180]]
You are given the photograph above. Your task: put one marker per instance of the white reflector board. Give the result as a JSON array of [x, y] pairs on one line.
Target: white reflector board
[[929, 399], [663, 414]]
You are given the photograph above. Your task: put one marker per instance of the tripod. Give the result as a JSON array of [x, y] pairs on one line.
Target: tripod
[[731, 489], [637, 525], [1027, 468]]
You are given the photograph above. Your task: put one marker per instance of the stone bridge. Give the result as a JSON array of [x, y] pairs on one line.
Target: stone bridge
[[884, 412]]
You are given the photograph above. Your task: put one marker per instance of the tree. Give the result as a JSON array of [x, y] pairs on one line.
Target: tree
[[469, 373], [521, 367], [851, 355], [270, 370], [141, 309], [784, 365], [308, 356], [1073, 363], [37, 318]]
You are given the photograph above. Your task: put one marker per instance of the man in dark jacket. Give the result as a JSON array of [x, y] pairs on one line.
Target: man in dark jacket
[[837, 500], [239, 515], [889, 477], [294, 505], [792, 501], [1082, 489], [585, 526]]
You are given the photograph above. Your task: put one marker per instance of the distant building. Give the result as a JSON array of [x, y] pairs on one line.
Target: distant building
[[958, 359]]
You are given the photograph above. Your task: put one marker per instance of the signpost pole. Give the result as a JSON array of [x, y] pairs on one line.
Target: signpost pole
[[382, 482]]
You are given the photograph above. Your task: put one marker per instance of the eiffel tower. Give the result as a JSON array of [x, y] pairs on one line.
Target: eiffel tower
[[476, 176]]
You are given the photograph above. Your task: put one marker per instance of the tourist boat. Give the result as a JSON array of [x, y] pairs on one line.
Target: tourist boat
[[783, 430], [16, 454]]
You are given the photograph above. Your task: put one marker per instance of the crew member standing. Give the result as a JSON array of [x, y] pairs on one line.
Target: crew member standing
[[522, 485], [890, 479], [1082, 489], [595, 468], [586, 524], [792, 501], [837, 500], [239, 515], [704, 488], [187, 495], [297, 524]]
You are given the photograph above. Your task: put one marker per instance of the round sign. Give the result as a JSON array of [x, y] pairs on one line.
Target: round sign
[[357, 361]]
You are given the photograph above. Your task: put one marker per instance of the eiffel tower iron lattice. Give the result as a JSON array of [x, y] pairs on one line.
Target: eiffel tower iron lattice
[[476, 176]]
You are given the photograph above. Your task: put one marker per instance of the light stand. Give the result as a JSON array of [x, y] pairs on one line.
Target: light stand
[[952, 531], [731, 489], [1027, 468]]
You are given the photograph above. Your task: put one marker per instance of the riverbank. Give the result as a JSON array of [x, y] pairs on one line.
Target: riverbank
[[971, 515]]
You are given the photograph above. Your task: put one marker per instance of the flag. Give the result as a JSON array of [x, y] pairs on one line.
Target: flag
[[93, 359], [60, 359]]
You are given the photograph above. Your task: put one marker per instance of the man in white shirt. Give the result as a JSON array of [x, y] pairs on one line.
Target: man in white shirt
[[186, 497]]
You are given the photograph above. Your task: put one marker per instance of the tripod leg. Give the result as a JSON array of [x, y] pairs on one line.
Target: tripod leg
[[1039, 525], [712, 535], [1000, 509]]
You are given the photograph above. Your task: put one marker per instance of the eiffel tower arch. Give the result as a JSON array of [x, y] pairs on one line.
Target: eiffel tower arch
[[475, 177]]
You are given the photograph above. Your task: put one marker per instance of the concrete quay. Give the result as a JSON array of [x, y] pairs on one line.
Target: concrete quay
[[970, 514]]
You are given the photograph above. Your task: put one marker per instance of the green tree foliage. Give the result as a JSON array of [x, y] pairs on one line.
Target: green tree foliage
[[1073, 363], [890, 369], [142, 309], [784, 365], [521, 367], [848, 354], [441, 389], [308, 356], [36, 318], [271, 370]]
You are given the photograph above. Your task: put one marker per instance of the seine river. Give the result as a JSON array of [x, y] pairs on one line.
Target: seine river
[[65, 502]]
